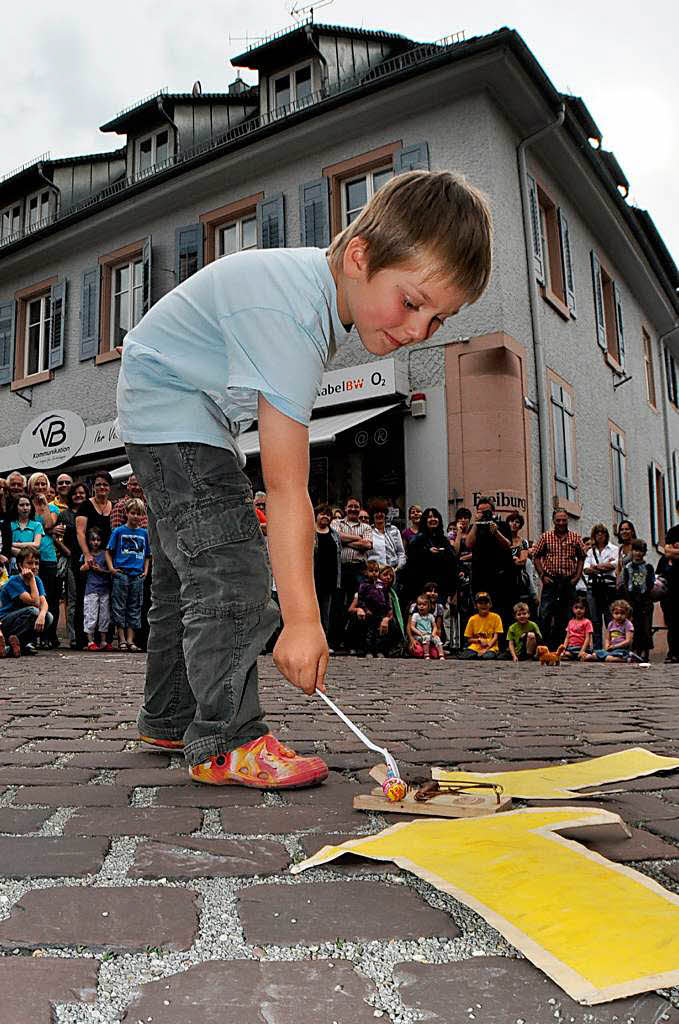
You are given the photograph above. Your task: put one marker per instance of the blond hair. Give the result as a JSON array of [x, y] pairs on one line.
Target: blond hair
[[435, 217], [135, 505], [33, 479]]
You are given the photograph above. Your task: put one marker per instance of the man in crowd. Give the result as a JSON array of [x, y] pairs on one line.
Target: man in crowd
[[119, 510], [559, 557], [260, 509], [492, 565], [356, 540], [16, 484], [63, 486]]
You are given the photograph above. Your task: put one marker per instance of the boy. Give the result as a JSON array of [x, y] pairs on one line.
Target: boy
[[638, 579], [97, 601], [245, 338], [23, 605], [127, 558], [579, 632], [371, 607], [523, 635], [483, 630]]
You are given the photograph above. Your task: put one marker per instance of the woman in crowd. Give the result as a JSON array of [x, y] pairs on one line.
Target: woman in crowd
[[27, 530], [430, 556], [523, 588], [39, 489], [600, 570], [414, 518], [327, 564], [75, 580], [626, 534], [387, 546]]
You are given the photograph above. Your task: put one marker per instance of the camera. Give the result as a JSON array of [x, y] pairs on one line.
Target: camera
[[486, 518]]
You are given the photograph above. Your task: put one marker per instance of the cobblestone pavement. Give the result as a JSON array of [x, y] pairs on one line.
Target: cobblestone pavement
[[130, 894]]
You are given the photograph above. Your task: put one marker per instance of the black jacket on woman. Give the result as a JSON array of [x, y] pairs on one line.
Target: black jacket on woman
[[430, 559]]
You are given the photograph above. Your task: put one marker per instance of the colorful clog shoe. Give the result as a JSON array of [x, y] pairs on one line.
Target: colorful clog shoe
[[263, 763]]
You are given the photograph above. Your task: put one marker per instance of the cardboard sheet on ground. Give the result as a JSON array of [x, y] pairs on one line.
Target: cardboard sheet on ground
[[600, 930], [560, 781]]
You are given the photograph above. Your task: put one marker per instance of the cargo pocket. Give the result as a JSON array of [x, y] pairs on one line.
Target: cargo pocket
[[225, 562]]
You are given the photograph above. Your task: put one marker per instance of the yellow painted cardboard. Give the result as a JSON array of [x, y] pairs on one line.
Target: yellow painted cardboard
[[559, 781], [600, 930]]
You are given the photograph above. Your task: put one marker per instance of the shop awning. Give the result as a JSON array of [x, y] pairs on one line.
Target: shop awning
[[321, 431]]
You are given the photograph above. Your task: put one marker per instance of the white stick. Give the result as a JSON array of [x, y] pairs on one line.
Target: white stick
[[391, 763]]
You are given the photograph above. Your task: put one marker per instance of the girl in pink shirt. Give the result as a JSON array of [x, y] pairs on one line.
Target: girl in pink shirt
[[578, 632]]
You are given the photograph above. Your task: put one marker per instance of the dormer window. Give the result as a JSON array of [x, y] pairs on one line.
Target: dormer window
[[292, 87], [37, 206], [10, 220], [152, 151]]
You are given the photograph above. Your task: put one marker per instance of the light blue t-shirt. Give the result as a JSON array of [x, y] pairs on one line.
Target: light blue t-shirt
[[263, 320]]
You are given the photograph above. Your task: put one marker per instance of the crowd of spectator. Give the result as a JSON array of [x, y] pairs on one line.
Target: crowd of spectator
[[474, 589]]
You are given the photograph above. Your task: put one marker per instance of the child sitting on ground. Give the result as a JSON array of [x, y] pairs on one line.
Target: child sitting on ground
[[638, 579], [579, 632], [483, 630], [618, 638], [523, 635], [392, 627], [127, 556], [423, 632], [97, 602], [368, 610]]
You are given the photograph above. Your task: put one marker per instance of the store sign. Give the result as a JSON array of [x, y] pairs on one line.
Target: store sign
[[51, 439], [354, 383], [505, 501]]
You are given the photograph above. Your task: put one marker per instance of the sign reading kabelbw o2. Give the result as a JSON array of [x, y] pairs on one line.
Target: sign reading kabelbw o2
[[52, 439]]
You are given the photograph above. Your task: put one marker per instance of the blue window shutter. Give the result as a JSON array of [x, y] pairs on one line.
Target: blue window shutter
[[89, 314], [146, 258], [58, 307], [599, 314], [534, 210], [653, 503], [314, 213], [567, 261], [188, 251], [671, 377], [6, 341], [271, 222], [412, 158], [619, 324]]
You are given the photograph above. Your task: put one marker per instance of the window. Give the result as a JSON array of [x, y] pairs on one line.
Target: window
[[357, 191], [648, 367], [10, 220], [551, 250], [292, 87], [240, 234], [619, 489], [125, 297], [37, 209], [608, 314], [38, 338], [152, 151], [563, 428], [671, 378], [231, 228], [353, 182], [657, 496]]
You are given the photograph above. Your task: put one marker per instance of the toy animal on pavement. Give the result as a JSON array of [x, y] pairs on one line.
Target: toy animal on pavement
[[549, 659]]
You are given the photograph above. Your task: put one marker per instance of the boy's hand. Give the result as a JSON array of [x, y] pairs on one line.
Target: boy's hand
[[361, 613], [301, 655], [27, 576], [39, 623]]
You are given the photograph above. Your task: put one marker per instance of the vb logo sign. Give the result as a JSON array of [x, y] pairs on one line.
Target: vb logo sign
[[52, 430], [52, 438]]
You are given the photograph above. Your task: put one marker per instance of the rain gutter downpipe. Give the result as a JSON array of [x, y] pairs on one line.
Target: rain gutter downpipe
[[56, 189], [312, 43], [674, 497], [538, 348], [169, 120]]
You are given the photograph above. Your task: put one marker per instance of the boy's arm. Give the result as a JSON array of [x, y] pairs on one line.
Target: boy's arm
[[109, 561], [301, 652], [146, 567]]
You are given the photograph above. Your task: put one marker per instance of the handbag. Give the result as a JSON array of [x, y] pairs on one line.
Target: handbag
[[603, 590], [62, 567]]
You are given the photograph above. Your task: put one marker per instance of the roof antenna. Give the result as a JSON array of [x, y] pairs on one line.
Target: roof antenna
[[298, 10]]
